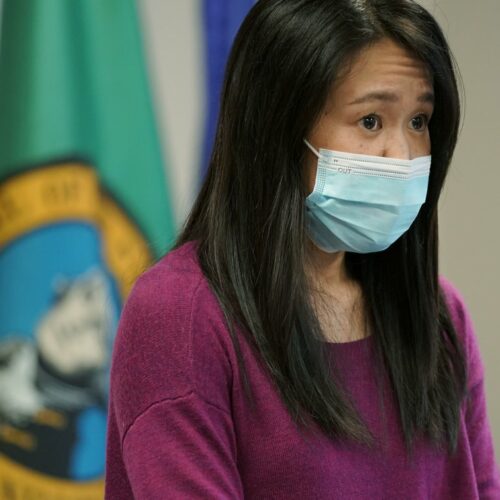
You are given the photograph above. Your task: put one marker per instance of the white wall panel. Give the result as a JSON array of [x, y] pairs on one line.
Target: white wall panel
[[173, 38]]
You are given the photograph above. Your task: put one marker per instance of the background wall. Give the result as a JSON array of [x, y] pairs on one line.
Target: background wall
[[173, 37], [470, 205]]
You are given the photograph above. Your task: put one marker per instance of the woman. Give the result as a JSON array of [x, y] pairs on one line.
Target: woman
[[297, 342]]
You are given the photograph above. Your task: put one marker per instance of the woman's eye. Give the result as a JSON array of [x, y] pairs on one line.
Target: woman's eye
[[371, 122], [419, 122]]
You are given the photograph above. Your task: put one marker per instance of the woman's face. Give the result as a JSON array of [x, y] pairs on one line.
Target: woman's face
[[381, 107]]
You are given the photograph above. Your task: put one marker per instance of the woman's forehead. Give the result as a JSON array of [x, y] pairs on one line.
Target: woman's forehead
[[386, 69]]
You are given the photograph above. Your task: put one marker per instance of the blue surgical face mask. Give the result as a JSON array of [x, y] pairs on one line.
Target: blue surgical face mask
[[364, 203]]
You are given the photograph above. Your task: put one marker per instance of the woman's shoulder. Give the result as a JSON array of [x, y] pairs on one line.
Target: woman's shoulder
[[459, 312], [171, 331], [455, 302], [180, 263], [169, 302], [464, 326], [174, 283]]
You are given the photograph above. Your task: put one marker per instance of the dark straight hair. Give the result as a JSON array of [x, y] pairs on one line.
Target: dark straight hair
[[248, 218]]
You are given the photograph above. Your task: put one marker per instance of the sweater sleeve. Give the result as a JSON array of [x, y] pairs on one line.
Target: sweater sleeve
[[182, 448], [170, 429], [476, 417]]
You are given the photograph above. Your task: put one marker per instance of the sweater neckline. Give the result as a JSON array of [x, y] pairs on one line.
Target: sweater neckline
[[351, 344]]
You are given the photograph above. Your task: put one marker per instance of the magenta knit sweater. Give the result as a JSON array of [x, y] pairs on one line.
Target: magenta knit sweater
[[181, 428]]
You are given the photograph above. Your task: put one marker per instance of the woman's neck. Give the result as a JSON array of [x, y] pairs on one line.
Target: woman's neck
[[326, 269], [337, 298]]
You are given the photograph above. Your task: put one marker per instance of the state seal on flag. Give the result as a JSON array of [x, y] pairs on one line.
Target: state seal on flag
[[69, 255]]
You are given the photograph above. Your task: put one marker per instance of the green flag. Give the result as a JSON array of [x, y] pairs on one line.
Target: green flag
[[83, 210]]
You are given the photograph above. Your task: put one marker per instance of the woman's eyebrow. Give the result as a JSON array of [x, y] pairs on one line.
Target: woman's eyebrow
[[387, 96]]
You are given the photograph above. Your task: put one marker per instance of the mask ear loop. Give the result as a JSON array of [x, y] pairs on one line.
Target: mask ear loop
[[312, 148]]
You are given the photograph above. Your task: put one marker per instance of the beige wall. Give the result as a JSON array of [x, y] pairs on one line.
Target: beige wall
[[470, 205], [470, 240]]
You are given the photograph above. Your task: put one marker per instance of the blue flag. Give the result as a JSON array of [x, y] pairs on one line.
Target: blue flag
[[221, 21]]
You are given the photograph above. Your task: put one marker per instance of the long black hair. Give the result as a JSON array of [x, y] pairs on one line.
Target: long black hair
[[248, 218]]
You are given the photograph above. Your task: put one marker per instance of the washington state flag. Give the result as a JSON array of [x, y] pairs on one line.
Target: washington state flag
[[83, 211]]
